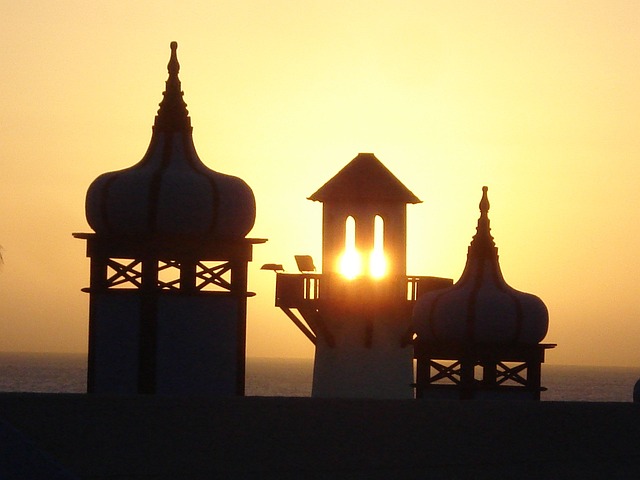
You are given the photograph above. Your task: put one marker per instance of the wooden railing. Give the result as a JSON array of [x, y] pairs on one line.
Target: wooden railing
[[294, 290]]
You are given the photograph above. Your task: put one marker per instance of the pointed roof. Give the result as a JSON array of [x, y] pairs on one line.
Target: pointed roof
[[365, 178], [173, 115], [482, 244]]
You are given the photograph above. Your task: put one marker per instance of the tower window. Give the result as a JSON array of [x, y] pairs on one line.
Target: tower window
[[377, 261], [350, 263]]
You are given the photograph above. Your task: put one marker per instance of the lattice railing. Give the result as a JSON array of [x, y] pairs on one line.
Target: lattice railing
[[506, 374], [213, 276], [169, 275], [124, 273], [442, 373], [205, 276]]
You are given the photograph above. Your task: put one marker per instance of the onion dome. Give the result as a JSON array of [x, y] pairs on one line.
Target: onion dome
[[481, 308], [170, 192]]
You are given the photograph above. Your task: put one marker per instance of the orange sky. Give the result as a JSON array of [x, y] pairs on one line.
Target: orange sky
[[538, 100]]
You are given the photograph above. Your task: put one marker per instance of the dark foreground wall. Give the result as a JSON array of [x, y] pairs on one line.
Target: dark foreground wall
[[167, 438]]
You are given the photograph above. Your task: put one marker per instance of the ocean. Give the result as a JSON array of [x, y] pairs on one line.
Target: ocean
[[66, 373]]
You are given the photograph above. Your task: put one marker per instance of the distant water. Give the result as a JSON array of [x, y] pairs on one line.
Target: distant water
[[66, 373]]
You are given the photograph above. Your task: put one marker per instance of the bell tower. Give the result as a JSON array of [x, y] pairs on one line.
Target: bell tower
[[364, 220], [358, 310], [168, 286]]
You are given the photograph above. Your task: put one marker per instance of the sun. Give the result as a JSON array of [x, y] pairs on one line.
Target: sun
[[377, 264], [350, 263]]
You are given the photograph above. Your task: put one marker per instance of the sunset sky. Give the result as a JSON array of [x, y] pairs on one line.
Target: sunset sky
[[540, 101]]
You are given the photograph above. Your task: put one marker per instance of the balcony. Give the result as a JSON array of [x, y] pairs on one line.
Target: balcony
[[305, 292], [307, 289]]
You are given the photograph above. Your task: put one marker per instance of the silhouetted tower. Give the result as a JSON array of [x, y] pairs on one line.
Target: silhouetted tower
[[168, 287], [358, 310], [480, 338], [364, 211]]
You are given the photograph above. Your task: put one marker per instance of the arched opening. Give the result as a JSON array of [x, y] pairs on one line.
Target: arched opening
[[350, 263], [377, 260]]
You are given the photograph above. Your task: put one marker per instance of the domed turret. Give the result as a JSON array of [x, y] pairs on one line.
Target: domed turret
[[480, 337], [481, 308], [169, 264], [170, 192]]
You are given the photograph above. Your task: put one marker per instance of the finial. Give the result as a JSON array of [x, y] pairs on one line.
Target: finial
[[173, 115], [174, 67], [484, 202], [482, 242]]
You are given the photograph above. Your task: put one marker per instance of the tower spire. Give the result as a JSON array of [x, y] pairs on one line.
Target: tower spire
[[482, 243], [173, 115]]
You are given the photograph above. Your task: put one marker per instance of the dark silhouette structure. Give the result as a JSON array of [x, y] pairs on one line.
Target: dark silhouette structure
[[480, 338], [358, 309], [168, 287]]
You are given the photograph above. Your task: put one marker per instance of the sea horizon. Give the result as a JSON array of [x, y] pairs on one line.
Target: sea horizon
[[310, 359], [45, 372]]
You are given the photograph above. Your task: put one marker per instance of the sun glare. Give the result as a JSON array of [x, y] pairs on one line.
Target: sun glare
[[351, 264], [377, 264]]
